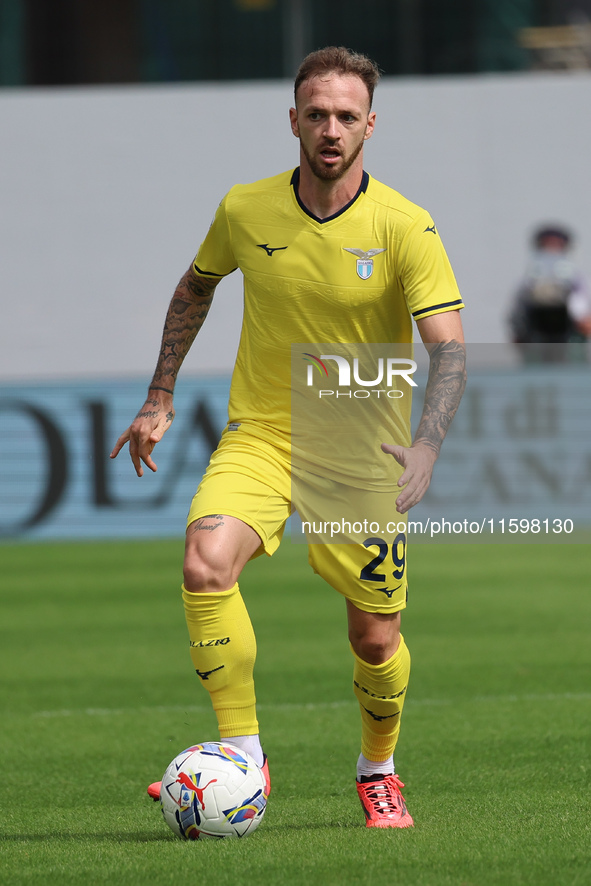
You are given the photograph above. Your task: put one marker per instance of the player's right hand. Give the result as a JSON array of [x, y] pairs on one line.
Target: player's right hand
[[418, 461], [147, 429]]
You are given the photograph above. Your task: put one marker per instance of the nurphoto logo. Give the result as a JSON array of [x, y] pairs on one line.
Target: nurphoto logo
[[387, 372]]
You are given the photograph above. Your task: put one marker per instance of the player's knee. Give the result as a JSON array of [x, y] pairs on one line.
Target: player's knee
[[373, 650], [204, 573], [375, 643]]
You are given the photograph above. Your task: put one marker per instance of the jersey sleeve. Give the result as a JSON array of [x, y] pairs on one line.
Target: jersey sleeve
[[216, 256], [426, 274]]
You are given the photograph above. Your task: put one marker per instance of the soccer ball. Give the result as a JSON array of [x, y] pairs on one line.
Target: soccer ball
[[213, 790]]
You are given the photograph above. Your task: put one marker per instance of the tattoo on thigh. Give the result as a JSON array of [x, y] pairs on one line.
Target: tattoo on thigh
[[210, 522]]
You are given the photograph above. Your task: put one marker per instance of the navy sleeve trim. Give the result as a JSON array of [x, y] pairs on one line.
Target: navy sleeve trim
[[211, 273], [445, 304]]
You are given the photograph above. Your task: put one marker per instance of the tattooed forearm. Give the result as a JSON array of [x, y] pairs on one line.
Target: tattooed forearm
[[199, 287], [445, 386], [186, 314]]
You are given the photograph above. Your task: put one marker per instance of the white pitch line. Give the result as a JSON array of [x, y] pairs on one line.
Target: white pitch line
[[313, 706]]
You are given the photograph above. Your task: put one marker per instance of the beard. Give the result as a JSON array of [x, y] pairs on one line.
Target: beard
[[331, 173]]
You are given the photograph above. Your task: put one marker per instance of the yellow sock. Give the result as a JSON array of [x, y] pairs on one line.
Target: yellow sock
[[381, 690], [223, 651]]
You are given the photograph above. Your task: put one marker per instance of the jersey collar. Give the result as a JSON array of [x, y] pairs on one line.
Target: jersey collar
[[295, 182]]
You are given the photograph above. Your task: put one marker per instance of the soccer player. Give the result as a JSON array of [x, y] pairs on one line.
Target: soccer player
[[328, 254]]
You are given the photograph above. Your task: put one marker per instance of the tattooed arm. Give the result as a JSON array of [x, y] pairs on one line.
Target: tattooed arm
[[186, 314], [443, 338]]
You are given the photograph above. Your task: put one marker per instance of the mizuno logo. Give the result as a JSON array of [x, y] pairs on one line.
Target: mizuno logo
[[204, 675], [270, 249], [433, 231], [380, 717], [389, 591]]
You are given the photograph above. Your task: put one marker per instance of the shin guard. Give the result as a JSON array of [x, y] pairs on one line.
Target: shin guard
[[381, 690], [223, 651]]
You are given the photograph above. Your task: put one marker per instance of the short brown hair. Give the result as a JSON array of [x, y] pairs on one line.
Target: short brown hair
[[338, 60]]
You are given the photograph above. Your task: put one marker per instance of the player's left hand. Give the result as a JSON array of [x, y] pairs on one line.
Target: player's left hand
[[417, 461]]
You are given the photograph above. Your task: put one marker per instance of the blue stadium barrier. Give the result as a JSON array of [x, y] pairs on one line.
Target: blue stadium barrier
[[519, 448]]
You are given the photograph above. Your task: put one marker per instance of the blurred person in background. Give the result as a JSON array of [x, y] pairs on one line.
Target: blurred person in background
[[552, 308]]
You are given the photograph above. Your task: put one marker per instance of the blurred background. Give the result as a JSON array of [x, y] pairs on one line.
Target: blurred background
[[70, 42], [123, 123]]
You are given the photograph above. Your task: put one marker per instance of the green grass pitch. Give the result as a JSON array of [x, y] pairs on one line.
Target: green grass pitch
[[98, 695]]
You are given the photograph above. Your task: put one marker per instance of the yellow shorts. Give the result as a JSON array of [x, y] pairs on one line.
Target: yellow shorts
[[251, 480]]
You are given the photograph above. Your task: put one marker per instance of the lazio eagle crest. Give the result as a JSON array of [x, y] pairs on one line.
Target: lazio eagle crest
[[364, 261]]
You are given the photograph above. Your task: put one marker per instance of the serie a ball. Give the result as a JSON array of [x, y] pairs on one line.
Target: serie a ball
[[213, 790]]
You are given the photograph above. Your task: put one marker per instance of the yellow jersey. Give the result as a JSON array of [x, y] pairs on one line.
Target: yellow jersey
[[358, 276]]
